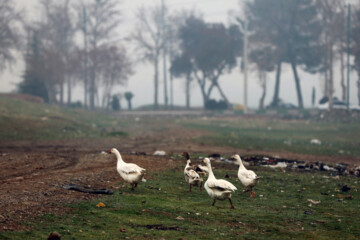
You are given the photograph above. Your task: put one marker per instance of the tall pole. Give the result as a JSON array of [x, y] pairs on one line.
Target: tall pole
[[245, 50], [348, 56], [85, 59], [164, 53], [171, 76]]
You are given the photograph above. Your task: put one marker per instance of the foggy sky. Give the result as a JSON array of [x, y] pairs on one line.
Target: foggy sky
[[141, 83]]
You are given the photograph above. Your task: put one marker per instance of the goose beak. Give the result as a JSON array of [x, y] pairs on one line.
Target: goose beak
[[110, 151]]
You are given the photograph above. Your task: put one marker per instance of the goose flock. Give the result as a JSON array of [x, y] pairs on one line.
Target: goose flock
[[217, 189]]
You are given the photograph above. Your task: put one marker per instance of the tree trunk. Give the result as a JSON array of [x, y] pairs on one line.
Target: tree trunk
[[263, 85], [331, 77], [69, 91], [202, 84], [342, 70], [188, 81], [156, 83], [277, 86], [358, 86], [92, 88], [326, 84], [61, 93], [298, 87], [129, 105], [221, 92]]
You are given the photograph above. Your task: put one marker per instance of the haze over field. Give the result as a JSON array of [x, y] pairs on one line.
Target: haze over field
[[141, 82]]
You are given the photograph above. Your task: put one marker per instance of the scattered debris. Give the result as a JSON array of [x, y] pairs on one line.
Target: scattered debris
[[162, 227], [308, 212], [215, 155], [277, 165], [139, 153], [159, 153], [344, 188], [180, 218], [283, 164], [54, 236], [349, 197], [315, 141], [313, 201], [100, 204], [87, 190]]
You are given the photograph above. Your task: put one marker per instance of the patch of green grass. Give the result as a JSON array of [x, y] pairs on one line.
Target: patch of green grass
[[277, 212], [279, 135], [21, 120]]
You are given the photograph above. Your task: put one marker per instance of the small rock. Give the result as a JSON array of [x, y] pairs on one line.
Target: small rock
[[348, 197], [54, 236], [180, 218], [308, 212]]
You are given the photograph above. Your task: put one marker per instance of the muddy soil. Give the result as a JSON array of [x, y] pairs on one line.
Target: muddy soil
[[32, 174]]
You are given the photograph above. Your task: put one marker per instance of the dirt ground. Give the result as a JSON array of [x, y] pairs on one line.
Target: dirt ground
[[32, 174]]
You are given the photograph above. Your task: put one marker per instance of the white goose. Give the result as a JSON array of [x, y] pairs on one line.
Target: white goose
[[192, 177], [218, 188], [130, 172], [199, 169], [247, 177]]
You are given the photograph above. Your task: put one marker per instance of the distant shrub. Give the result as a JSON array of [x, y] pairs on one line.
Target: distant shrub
[[212, 104], [115, 103], [76, 104]]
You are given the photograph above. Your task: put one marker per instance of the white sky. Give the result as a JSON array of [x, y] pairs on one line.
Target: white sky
[[141, 83]]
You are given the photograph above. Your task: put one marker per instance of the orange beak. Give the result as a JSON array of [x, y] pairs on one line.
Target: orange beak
[[110, 151]]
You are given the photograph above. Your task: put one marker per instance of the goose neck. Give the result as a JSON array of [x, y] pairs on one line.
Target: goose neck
[[211, 174]]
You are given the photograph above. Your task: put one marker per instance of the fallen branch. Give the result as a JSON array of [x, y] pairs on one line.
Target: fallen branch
[[87, 190]]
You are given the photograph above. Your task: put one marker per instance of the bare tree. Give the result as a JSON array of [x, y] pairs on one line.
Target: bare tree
[[73, 71], [148, 39], [9, 32], [114, 69], [102, 19], [332, 12]]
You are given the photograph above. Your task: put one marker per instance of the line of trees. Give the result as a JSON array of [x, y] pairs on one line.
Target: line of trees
[[307, 34]]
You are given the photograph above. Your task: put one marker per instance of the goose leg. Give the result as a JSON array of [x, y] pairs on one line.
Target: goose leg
[[213, 204], [132, 187], [135, 185], [189, 187], [252, 193], [246, 190], [231, 204], [201, 187]]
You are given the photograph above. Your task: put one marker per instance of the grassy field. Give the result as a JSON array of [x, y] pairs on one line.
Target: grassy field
[[21, 120], [281, 135], [281, 210]]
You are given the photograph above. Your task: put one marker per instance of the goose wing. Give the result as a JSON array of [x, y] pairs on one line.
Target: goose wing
[[203, 169], [221, 185], [248, 174], [192, 174], [131, 168]]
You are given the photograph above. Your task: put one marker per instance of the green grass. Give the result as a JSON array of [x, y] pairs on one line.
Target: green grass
[[21, 120], [281, 135], [151, 211]]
